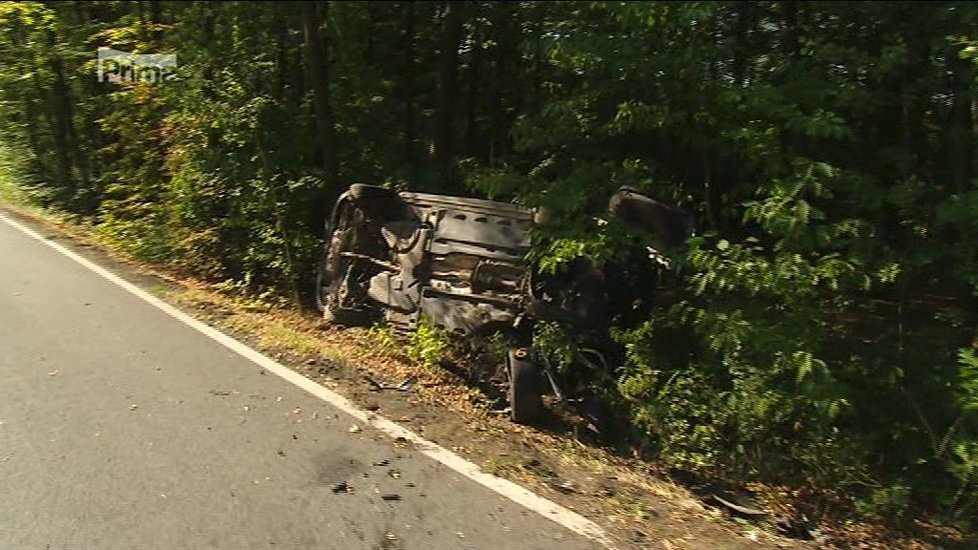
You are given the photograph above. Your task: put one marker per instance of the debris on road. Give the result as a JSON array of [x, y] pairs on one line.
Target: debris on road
[[354, 429], [391, 496], [342, 487]]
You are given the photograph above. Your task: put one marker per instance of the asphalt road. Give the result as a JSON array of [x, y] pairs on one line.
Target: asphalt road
[[121, 427]]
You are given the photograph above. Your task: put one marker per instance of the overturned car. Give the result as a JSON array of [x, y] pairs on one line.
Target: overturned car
[[396, 257]]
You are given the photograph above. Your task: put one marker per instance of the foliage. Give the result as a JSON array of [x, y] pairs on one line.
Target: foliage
[[428, 345], [824, 334]]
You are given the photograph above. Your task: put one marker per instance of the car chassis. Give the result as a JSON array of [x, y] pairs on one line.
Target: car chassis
[[397, 256]]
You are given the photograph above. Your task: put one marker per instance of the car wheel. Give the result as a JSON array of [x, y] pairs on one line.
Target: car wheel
[[525, 402], [335, 275]]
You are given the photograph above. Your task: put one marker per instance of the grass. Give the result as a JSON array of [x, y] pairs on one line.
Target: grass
[[270, 328], [13, 191]]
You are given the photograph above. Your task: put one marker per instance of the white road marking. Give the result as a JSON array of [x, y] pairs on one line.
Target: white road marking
[[520, 495]]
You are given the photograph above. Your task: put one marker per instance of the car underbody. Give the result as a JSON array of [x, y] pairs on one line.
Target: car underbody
[[399, 257]]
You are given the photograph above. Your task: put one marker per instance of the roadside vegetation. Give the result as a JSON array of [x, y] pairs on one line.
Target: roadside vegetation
[[824, 334]]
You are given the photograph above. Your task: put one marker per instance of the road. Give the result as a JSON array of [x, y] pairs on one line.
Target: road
[[121, 427]]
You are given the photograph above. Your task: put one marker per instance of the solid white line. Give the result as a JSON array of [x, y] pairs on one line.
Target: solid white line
[[520, 495]]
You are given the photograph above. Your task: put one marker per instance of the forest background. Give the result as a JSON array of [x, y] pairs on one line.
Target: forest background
[[826, 335]]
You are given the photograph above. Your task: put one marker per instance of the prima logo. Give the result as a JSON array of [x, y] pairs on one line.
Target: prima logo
[[118, 66]]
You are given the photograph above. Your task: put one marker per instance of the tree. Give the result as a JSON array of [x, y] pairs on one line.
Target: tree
[[317, 60]]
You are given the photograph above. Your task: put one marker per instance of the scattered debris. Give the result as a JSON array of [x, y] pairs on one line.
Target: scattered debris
[[54, 373], [342, 487], [744, 510], [372, 406], [798, 527], [391, 496], [133, 407], [221, 393], [380, 385], [280, 452], [396, 474], [384, 462], [566, 487], [354, 429]]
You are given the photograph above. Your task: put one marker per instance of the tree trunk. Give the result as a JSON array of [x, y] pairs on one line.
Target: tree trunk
[[503, 102], [62, 124], [741, 45], [317, 62], [790, 44], [280, 31], [960, 126], [156, 19], [408, 91], [536, 73], [475, 61], [447, 85]]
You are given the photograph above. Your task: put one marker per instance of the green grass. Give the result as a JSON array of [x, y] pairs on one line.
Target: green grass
[[12, 177], [17, 185]]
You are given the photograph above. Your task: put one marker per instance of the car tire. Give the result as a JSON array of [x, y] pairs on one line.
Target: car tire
[[327, 287], [525, 401]]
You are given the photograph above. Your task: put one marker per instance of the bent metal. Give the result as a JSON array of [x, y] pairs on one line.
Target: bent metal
[[397, 256]]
